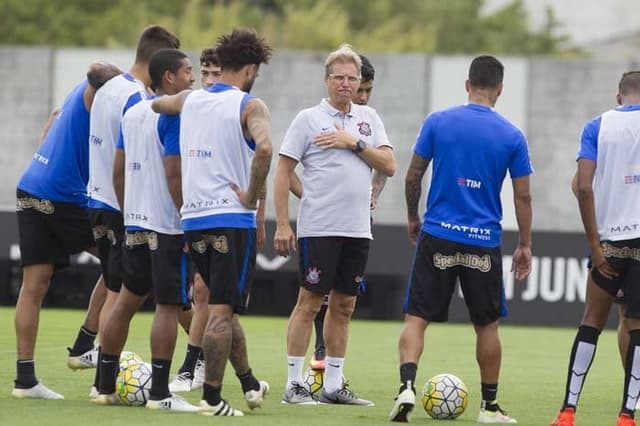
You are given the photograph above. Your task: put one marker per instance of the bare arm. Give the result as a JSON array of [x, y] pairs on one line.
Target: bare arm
[[118, 177], [295, 184], [261, 219], [170, 105], [284, 238], [172, 170], [377, 185], [521, 262], [412, 193], [255, 116], [574, 185]]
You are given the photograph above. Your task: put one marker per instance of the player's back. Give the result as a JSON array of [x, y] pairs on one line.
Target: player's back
[[109, 105], [472, 147], [214, 152], [59, 169]]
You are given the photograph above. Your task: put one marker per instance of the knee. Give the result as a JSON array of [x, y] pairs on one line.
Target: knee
[[200, 293], [342, 306]]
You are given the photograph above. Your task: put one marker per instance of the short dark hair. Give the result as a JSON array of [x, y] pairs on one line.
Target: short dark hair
[[242, 47], [208, 57], [162, 61], [629, 83], [367, 72], [153, 38], [486, 71]]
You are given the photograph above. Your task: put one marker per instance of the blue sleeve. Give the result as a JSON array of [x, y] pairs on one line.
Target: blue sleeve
[[424, 143], [133, 99], [120, 143], [589, 140], [520, 163], [169, 133]]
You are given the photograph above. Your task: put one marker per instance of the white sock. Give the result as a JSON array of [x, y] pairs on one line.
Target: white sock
[[294, 370], [333, 374]]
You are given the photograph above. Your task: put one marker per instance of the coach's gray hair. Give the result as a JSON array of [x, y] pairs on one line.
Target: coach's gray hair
[[344, 54]]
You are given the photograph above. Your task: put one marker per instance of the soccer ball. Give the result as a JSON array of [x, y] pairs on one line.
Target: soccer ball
[[313, 381], [127, 358], [444, 397], [134, 383]]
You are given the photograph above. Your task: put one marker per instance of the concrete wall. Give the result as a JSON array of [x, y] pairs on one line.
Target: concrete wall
[[549, 99]]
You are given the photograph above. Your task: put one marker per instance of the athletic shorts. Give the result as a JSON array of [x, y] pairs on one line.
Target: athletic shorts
[[50, 231], [437, 266], [226, 259], [108, 231], [612, 288], [624, 257], [154, 261], [332, 263]]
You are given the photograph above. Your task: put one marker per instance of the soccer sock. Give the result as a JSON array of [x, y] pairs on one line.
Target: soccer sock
[[333, 374], [319, 326], [211, 394], [631, 374], [582, 354], [489, 396], [248, 381], [160, 369], [26, 371], [107, 371], [408, 372], [294, 370], [190, 359], [201, 356], [84, 341]]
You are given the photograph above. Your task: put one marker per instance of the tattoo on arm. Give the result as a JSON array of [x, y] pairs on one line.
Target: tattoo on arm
[[257, 127], [413, 183]]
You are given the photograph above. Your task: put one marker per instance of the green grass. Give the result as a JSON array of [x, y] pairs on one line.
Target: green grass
[[531, 387]]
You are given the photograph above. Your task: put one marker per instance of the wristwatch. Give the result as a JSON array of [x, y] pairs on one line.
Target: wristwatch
[[360, 146]]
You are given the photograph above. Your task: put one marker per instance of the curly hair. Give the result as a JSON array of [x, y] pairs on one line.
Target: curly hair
[[242, 47]]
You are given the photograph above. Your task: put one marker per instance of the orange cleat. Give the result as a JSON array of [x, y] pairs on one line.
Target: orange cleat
[[566, 417], [625, 420]]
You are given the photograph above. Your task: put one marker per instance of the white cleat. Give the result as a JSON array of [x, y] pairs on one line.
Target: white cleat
[[93, 393], [106, 399], [38, 391], [182, 383], [495, 417], [222, 409], [404, 403], [298, 395], [198, 375], [255, 398], [88, 359], [172, 403]]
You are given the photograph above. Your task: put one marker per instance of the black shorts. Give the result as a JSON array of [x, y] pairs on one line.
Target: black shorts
[[226, 259], [108, 231], [437, 266], [613, 288], [51, 231], [624, 257], [336, 263], [151, 260]]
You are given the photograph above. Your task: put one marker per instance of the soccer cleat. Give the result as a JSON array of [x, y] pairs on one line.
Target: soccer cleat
[[106, 399], [625, 420], [255, 398], [182, 383], [93, 393], [172, 403], [222, 409], [88, 359], [319, 359], [38, 391], [298, 395], [498, 416], [198, 375], [343, 396], [405, 401], [566, 417]]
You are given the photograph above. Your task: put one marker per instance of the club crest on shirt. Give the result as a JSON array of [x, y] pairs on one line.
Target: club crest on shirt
[[313, 275], [364, 128]]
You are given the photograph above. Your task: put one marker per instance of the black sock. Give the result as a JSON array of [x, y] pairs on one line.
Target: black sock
[[489, 396], [211, 394], [96, 376], [319, 326], [160, 369], [408, 372], [201, 356], [631, 370], [582, 353], [248, 381], [190, 359], [84, 341], [26, 371], [107, 371]]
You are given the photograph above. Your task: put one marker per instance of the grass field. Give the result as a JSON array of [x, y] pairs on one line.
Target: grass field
[[531, 388]]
